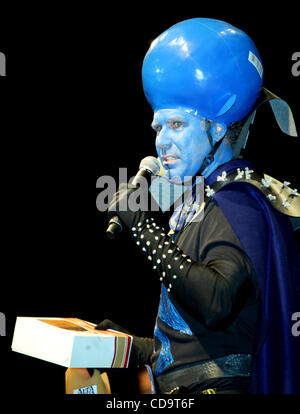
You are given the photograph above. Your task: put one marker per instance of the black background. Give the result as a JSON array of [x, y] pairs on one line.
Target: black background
[[73, 110]]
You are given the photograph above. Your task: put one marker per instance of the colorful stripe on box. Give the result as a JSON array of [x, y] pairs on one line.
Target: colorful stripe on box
[[122, 351]]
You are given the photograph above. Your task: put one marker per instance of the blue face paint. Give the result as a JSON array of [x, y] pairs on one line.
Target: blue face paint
[[181, 143]]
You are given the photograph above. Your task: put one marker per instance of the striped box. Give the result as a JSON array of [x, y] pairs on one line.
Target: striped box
[[71, 342]]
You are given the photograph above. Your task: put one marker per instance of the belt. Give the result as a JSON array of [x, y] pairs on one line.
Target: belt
[[234, 365], [182, 390]]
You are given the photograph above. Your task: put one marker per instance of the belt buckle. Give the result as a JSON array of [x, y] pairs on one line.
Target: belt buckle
[[209, 391], [173, 390]]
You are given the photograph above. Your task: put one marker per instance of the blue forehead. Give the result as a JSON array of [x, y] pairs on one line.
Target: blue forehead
[[164, 115]]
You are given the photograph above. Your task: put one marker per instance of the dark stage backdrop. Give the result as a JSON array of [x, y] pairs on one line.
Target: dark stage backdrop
[[74, 109]]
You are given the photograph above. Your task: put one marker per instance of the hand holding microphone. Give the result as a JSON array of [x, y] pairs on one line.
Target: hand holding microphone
[[149, 166]]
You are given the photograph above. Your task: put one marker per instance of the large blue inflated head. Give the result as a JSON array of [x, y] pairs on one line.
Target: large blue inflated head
[[205, 66]]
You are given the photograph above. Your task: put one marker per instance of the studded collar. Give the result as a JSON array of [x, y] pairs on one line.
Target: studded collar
[[281, 196]]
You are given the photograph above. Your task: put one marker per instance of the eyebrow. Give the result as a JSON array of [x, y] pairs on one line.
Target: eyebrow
[[175, 119]]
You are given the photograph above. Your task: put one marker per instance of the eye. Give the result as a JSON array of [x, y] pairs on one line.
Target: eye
[[176, 124]]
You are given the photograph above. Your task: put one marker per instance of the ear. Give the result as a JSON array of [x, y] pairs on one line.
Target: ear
[[218, 131]]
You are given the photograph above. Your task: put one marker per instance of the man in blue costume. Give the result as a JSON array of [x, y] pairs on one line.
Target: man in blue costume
[[230, 280]]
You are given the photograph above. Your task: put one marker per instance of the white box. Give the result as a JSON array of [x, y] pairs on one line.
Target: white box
[[71, 342]]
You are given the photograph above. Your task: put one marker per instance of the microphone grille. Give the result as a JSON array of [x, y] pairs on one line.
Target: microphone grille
[[150, 163]]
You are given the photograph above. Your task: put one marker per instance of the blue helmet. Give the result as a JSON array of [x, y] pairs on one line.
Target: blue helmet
[[206, 67]]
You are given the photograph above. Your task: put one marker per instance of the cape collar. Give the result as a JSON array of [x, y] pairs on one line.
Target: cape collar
[[227, 167]]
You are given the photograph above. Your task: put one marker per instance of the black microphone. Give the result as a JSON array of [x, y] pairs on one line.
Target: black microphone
[[148, 166]]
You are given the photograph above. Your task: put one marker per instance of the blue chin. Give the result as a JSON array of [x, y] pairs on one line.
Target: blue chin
[[172, 176], [177, 178]]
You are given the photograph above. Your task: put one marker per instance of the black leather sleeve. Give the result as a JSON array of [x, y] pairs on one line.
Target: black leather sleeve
[[208, 290]]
